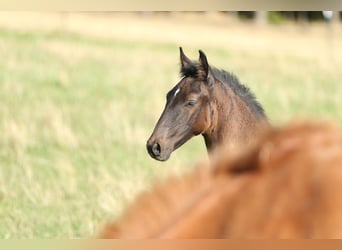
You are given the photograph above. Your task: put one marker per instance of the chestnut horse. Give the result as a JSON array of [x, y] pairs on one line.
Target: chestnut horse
[[206, 101], [288, 185]]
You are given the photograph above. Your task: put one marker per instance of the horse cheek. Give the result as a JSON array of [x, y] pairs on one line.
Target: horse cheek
[[206, 118], [202, 122]]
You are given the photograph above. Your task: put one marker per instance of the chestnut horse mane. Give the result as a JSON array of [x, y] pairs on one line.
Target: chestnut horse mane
[[286, 186]]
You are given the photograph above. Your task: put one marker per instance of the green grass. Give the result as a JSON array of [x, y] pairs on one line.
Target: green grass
[[76, 111]]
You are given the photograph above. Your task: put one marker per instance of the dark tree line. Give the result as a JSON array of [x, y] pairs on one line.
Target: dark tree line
[[279, 16], [261, 16]]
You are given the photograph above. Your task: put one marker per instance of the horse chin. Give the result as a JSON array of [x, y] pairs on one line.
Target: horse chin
[[167, 152], [163, 157]]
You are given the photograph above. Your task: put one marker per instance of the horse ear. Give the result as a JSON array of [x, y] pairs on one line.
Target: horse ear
[[185, 62], [203, 66], [204, 69]]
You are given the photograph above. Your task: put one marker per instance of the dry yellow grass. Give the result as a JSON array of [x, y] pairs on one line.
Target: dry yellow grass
[[188, 29]]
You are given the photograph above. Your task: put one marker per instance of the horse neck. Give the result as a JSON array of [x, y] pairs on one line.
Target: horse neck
[[233, 122]]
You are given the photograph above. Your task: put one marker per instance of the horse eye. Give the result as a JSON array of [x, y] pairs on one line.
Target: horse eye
[[191, 103]]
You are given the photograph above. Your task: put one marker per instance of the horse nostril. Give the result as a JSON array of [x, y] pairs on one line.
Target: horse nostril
[[156, 149]]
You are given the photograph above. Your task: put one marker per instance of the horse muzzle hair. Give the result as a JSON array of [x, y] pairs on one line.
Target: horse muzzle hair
[[157, 150]]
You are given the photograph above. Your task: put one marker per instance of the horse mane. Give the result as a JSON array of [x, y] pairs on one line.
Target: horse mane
[[285, 186], [230, 80]]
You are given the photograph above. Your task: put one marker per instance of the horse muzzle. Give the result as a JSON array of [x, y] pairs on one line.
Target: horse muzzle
[[157, 151]]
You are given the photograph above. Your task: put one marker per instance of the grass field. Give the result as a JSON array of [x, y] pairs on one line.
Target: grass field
[[80, 94]]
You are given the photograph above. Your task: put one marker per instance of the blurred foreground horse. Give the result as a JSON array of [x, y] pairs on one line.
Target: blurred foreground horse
[[206, 101], [288, 185]]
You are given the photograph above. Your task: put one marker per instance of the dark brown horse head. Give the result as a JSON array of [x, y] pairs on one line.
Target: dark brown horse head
[[186, 112], [206, 101]]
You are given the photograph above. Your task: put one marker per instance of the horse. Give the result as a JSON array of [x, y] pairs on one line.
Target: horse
[[287, 185], [205, 101]]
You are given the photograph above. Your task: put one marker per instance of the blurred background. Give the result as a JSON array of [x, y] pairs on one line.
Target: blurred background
[[80, 94]]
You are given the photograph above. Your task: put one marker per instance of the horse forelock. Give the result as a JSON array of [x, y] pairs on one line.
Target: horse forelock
[[190, 70]]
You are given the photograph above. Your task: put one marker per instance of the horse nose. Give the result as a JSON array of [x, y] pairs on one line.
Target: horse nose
[[154, 149]]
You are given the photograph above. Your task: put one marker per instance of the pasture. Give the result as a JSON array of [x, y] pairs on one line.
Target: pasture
[[81, 93]]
